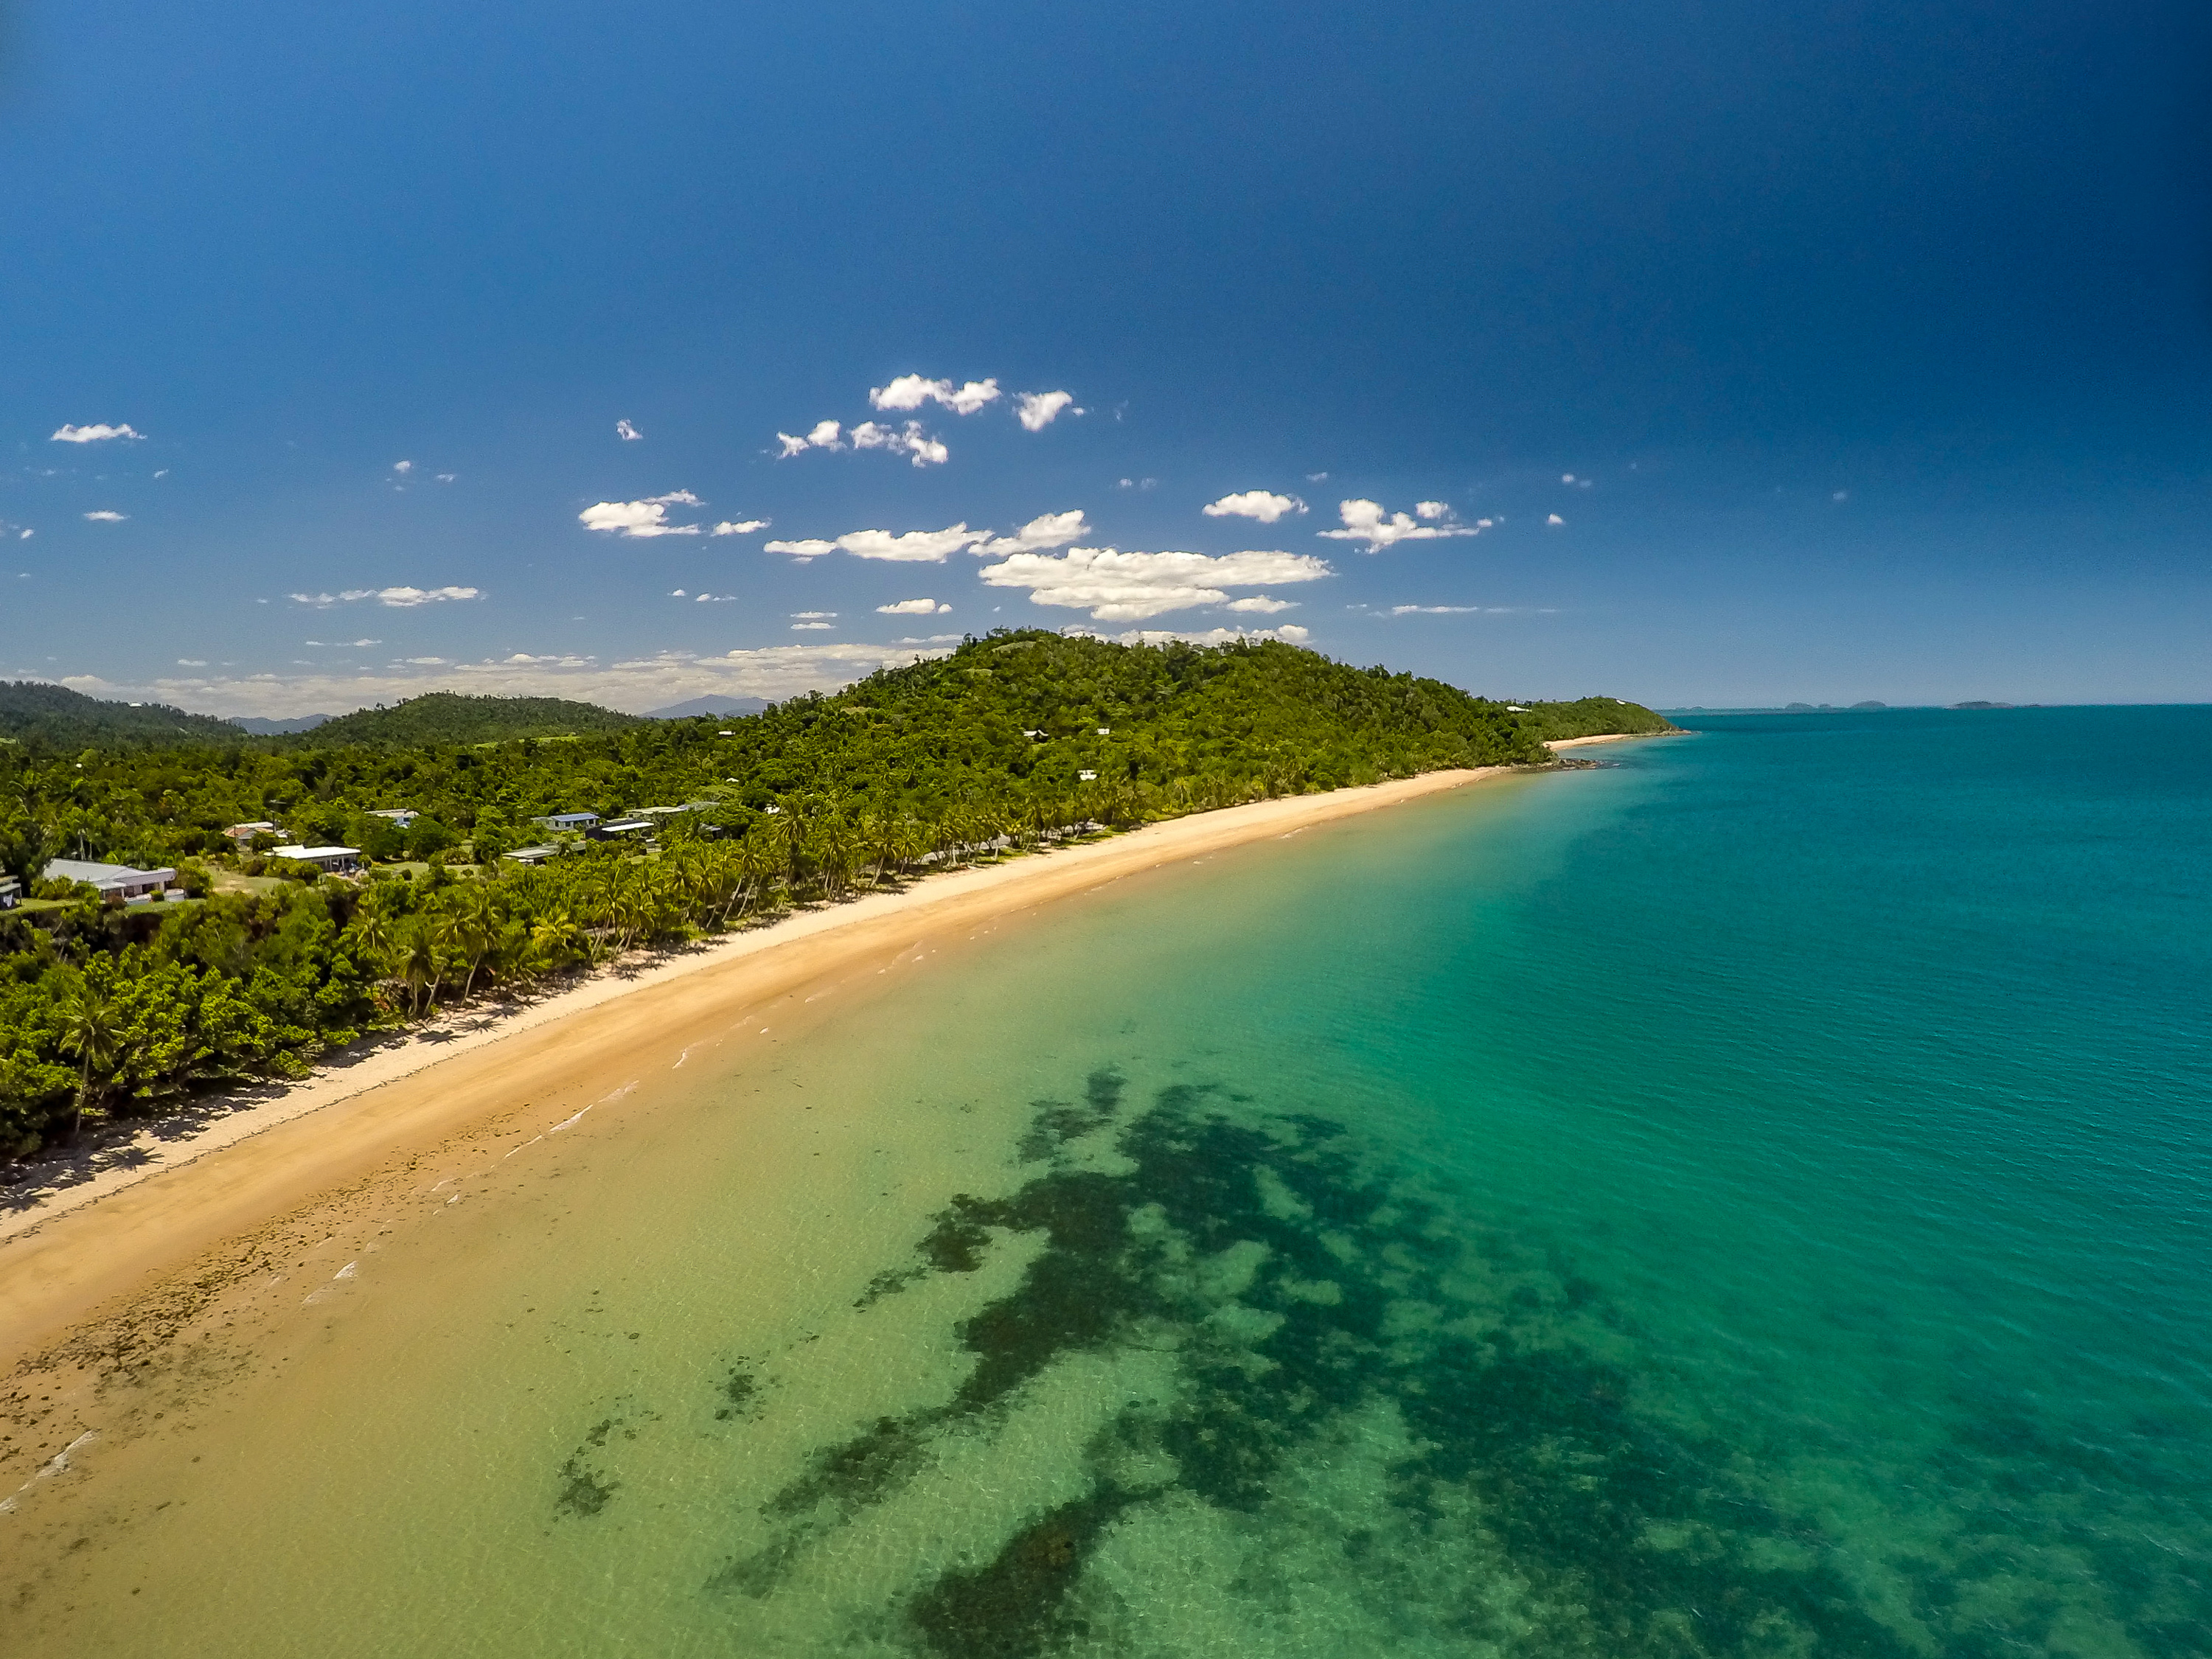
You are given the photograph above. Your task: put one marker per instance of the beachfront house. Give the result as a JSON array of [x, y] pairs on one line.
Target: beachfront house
[[331, 861], [624, 830], [242, 833], [119, 883], [11, 892], [401, 817], [533, 854], [574, 822]]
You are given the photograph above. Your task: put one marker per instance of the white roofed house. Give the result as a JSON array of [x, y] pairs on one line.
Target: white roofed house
[[119, 883], [333, 861]]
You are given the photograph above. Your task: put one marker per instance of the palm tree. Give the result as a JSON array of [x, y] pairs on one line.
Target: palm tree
[[554, 938], [419, 967], [475, 931], [91, 1030]]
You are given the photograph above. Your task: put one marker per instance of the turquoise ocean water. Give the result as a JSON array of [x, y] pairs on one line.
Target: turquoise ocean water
[[1750, 1198]]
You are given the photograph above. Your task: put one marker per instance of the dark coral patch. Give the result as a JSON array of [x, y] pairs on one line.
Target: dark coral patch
[[1522, 1449]]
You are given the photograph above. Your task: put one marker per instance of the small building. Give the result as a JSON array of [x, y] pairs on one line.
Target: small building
[[569, 821], [11, 892], [332, 860], [119, 883], [673, 811], [246, 832], [623, 829], [533, 854], [401, 817], [1087, 777]]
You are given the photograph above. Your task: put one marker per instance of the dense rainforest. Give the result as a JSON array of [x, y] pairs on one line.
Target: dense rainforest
[[1013, 740]]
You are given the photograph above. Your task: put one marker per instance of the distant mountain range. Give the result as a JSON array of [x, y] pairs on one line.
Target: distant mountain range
[[52, 717], [261, 728], [720, 707], [40, 715]]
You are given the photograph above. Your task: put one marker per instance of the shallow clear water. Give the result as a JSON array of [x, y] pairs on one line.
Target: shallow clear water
[[1751, 1198]]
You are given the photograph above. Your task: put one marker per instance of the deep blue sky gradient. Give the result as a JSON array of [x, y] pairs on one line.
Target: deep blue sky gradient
[[1726, 261]]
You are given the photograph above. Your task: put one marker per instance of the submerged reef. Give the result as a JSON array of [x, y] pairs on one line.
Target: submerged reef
[[1240, 1382], [1520, 1504]]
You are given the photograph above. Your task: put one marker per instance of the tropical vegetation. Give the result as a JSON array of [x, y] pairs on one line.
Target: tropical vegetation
[[1009, 743]]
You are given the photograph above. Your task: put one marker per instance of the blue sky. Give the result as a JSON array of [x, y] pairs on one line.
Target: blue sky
[[1740, 353]]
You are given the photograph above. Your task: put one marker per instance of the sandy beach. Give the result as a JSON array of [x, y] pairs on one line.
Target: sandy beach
[[70, 1253], [123, 1222]]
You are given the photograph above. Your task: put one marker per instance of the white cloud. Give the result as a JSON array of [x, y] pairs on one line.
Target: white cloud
[[912, 608], [802, 551], [1554, 519], [1261, 504], [931, 639], [714, 598], [107, 515], [822, 435], [801, 628], [1262, 604], [99, 431], [341, 645], [915, 547], [191, 662], [1036, 410], [1366, 521], [627, 433], [813, 615], [912, 390], [1047, 530], [917, 445], [1288, 633], [678, 594], [1317, 478], [447, 478], [648, 517], [1841, 496], [398, 598], [402, 468], [1434, 610], [1117, 587], [1566, 477], [739, 527], [25, 535]]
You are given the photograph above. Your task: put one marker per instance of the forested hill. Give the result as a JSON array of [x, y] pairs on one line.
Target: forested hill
[[1006, 718], [450, 717], [38, 715]]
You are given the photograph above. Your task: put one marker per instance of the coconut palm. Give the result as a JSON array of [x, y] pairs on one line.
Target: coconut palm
[[92, 1030]]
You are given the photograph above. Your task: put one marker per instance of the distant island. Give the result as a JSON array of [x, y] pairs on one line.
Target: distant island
[[491, 843]]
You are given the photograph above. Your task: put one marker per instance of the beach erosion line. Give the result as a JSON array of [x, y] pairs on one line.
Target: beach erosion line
[[79, 1248]]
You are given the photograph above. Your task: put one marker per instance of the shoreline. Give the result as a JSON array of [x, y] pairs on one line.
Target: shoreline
[[162, 1200], [155, 1203]]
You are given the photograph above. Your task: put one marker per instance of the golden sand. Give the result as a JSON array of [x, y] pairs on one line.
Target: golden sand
[[92, 1249]]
